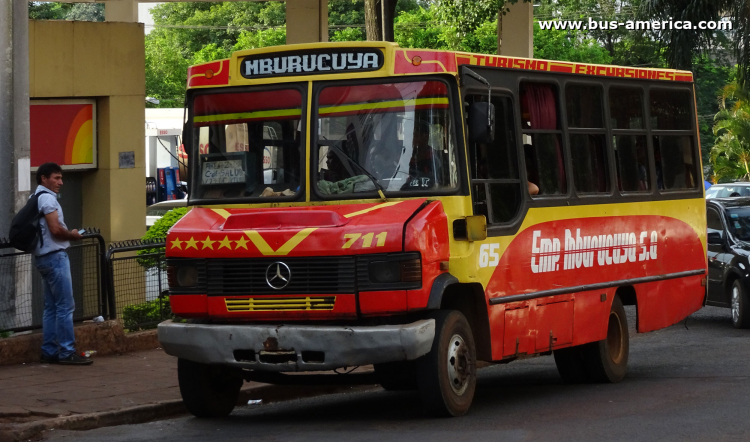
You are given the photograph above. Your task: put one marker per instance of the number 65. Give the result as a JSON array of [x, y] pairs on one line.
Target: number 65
[[488, 255]]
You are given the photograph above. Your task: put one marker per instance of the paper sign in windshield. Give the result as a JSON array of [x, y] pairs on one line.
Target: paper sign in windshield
[[223, 172]]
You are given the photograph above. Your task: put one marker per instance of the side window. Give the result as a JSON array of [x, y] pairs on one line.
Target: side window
[[676, 164], [542, 138], [713, 221], [496, 186], [587, 138], [629, 139]]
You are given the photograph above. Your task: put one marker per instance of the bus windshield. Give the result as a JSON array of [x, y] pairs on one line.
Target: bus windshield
[[399, 135], [247, 145]]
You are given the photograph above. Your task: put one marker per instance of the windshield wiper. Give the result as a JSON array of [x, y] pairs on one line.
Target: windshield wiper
[[365, 171]]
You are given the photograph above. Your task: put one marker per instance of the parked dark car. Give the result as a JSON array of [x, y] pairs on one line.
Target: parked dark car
[[728, 224]]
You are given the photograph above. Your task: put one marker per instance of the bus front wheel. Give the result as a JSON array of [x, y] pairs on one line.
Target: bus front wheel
[[447, 375], [208, 390], [603, 361]]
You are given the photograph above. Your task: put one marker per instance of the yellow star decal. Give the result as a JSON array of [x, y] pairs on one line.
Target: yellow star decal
[[177, 244], [191, 243], [242, 242], [225, 243], [208, 244]]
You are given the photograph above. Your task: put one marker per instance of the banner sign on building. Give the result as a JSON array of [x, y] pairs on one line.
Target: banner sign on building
[[63, 132]]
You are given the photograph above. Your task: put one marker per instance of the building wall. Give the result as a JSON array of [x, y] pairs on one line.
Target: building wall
[[106, 62]]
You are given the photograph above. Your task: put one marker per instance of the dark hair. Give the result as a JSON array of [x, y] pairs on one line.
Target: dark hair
[[46, 170]]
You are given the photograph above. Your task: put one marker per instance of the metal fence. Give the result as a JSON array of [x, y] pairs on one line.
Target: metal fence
[[22, 293], [137, 283]]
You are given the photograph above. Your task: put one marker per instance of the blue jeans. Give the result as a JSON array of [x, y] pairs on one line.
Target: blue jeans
[[57, 326]]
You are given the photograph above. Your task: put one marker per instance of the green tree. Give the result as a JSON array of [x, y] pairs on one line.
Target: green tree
[[66, 11], [730, 154], [86, 12], [681, 45], [553, 44]]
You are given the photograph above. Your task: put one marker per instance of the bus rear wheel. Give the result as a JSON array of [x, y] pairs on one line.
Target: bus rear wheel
[[208, 390], [604, 361], [447, 375]]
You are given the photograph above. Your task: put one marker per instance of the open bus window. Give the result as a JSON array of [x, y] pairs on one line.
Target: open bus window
[[248, 144], [542, 138], [675, 165], [495, 181], [398, 134], [632, 163]]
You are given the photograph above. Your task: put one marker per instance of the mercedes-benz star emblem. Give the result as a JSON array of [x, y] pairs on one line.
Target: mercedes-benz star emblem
[[278, 275]]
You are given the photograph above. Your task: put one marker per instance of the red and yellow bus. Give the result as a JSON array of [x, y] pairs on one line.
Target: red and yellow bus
[[360, 204]]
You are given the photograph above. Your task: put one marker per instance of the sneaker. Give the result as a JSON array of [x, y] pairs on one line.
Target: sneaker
[[47, 359], [75, 359]]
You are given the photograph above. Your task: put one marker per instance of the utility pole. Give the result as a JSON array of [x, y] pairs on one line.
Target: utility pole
[[14, 134]]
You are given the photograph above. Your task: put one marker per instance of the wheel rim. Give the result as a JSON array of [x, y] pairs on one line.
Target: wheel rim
[[459, 364], [735, 304], [615, 338]]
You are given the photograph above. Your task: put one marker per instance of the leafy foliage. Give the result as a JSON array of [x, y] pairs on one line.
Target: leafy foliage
[[66, 11], [681, 46], [730, 155], [158, 231], [146, 315]]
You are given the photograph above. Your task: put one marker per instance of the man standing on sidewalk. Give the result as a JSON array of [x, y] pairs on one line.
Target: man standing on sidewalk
[[58, 344]]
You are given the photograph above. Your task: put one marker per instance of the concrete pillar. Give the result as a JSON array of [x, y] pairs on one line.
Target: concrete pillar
[[15, 291], [121, 10], [517, 31], [306, 21]]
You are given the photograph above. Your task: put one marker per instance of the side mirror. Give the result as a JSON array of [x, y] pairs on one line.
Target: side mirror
[[714, 238], [471, 228], [481, 122]]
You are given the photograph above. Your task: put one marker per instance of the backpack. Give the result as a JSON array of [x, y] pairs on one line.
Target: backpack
[[25, 230]]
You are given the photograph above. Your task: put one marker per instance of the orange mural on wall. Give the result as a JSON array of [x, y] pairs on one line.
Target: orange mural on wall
[[64, 132]]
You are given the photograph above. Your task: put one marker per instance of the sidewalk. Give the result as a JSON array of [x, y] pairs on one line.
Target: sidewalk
[[115, 390]]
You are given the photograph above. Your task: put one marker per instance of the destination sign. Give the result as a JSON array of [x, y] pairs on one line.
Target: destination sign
[[329, 61]]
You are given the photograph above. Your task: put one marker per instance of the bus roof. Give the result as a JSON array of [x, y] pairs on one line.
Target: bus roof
[[278, 64]]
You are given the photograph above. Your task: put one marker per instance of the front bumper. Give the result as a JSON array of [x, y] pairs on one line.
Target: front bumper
[[341, 346]]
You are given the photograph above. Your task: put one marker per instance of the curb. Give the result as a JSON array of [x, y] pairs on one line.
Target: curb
[[160, 410]]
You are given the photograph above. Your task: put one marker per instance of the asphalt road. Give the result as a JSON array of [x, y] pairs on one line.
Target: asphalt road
[[683, 384]]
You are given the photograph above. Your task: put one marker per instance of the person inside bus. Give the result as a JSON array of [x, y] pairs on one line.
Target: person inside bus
[[531, 170]]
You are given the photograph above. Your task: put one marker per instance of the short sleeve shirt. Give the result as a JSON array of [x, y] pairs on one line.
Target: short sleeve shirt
[[48, 204]]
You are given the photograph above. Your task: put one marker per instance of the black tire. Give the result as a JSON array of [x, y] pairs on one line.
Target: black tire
[[740, 305], [447, 375], [208, 390], [607, 360], [397, 376]]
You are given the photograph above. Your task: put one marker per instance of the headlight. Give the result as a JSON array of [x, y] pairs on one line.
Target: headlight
[[182, 276], [390, 271]]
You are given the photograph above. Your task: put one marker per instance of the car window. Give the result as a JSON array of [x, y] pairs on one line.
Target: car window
[[711, 192], [738, 221], [713, 221]]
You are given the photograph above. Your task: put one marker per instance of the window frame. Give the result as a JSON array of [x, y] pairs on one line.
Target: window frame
[[462, 187], [562, 132], [692, 133], [188, 140], [605, 131], [524, 193]]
